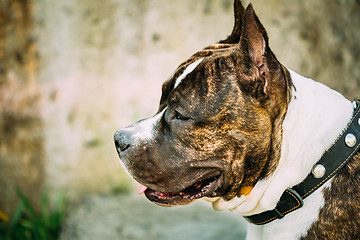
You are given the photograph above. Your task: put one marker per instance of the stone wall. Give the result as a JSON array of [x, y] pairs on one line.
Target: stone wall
[[101, 65]]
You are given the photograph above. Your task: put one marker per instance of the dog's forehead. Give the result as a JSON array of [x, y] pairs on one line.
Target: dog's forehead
[[191, 67], [211, 56]]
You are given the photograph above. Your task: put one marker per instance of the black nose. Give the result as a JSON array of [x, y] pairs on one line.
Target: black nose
[[122, 141]]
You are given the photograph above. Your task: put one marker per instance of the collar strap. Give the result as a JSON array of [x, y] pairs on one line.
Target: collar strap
[[334, 158]]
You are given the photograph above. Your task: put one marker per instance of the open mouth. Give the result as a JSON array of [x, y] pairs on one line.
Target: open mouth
[[203, 188]]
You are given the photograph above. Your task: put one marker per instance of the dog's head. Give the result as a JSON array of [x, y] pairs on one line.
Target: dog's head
[[218, 128]]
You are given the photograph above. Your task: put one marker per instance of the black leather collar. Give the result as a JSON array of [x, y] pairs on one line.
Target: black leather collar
[[334, 158]]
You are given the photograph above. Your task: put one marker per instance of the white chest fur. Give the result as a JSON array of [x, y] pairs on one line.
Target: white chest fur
[[315, 118]]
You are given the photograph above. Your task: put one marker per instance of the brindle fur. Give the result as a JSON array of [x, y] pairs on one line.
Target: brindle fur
[[339, 218]]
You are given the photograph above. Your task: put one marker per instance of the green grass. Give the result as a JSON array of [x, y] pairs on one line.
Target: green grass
[[27, 224]]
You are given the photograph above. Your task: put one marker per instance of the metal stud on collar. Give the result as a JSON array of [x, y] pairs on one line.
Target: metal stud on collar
[[354, 105], [350, 140], [318, 171]]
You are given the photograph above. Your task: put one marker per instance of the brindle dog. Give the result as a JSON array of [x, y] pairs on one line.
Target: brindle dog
[[236, 126]]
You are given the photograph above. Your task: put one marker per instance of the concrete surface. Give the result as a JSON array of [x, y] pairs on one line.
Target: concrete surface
[[133, 217]]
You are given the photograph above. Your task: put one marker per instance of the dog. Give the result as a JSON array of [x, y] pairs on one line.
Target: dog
[[238, 128]]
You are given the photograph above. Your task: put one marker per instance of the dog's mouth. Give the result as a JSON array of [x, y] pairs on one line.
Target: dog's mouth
[[203, 188]]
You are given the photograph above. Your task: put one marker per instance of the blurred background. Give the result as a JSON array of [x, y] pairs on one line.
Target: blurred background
[[72, 72]]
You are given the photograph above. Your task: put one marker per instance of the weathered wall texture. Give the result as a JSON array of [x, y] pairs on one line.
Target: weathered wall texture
[[101, 65], [21, 136]]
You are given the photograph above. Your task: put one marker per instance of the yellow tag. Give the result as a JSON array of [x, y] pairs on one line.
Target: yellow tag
[[245, 190]]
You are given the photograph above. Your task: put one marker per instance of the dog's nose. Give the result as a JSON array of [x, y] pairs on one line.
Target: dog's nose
[[122, 141]]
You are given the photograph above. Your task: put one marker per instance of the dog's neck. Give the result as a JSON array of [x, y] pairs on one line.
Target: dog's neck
[[316, 116]]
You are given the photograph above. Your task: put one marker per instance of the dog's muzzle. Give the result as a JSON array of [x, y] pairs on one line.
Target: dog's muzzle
[[167, 183]]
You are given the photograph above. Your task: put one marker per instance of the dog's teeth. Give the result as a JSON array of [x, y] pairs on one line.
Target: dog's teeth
[[161, 195]]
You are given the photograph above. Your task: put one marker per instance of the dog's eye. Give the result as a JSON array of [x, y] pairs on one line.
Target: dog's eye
[[179, 116]]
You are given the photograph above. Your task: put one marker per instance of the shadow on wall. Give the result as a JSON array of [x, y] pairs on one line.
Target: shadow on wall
[[21, 124]]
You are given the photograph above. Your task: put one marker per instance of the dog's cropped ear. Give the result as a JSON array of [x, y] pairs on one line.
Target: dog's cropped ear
[[239, 11], [254, 45]]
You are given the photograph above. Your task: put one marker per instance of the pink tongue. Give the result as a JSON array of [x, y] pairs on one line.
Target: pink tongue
[[141, 188]]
